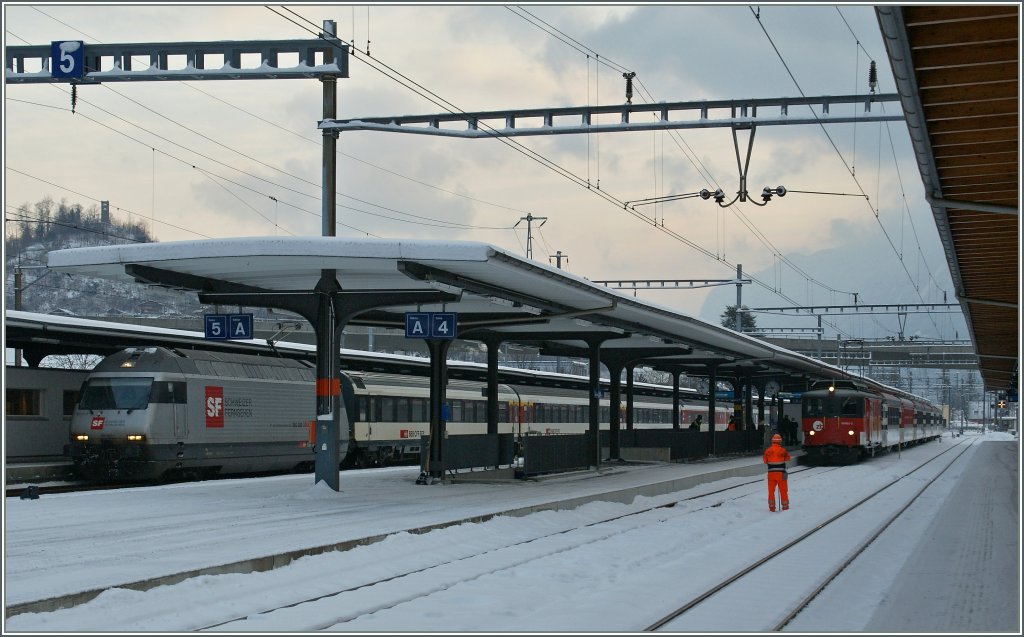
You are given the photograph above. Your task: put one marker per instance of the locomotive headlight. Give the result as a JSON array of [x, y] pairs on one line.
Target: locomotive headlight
[[136, 437], [810, 433], [80, 437], [850, 432]]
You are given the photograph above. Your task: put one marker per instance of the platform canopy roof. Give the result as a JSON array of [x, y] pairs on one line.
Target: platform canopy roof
[[496, 294], [957, 70]]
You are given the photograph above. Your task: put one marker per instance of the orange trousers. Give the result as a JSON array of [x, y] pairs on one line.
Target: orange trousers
[[777, 480]]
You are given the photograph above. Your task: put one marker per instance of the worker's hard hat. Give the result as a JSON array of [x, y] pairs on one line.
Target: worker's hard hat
[[777, 438]]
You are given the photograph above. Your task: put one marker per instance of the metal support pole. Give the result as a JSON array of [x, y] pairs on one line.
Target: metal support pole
[[327, 456], [675, 400], [739, 297], [18, 281], [438, 385], [493, 346], [329, 181], [712, 386], [595, 401], [760, 404], [629, 396], [615, 399]]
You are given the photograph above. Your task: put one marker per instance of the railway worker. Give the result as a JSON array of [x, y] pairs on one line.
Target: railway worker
[[732, 424], [776, 457]]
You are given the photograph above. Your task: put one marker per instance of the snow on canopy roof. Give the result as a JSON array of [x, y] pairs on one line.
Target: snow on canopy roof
[[492, 281]]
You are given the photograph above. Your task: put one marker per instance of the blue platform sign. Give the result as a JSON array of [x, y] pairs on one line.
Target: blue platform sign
[[227, 326], [439, 325], [417, 325], [240, 326], [442, 325], [67, 58]]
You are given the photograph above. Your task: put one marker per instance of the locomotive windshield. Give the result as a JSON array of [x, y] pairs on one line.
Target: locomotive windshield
[[116, 393], [831, 407]]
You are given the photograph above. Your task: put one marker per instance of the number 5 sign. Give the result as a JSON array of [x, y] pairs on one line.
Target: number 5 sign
[[67, 59]]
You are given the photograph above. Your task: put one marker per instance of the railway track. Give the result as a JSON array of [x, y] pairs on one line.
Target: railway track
[[371, 596], [777, 583], [371, 590]]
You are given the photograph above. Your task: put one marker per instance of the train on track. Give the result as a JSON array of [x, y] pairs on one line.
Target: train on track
[[149, 413], [846, 421]]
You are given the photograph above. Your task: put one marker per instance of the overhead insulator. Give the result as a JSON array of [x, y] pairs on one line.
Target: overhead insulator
[[629, 86], [873, 77]]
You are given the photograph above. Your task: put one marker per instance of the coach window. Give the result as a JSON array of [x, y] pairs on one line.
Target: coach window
[[403, 410], [387, 409], [70, 399], [419, 410], [23, 402], [456, 411]]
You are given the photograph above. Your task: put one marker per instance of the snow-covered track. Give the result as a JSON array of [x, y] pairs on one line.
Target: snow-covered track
[[777, 582]]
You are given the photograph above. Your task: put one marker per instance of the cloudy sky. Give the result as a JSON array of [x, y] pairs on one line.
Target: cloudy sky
[[209, 159]]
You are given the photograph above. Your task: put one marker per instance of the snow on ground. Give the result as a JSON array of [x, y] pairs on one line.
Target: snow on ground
[[613, 577]]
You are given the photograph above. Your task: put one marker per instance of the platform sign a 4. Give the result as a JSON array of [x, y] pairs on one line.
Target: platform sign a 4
[[436, 325], [443, 325]]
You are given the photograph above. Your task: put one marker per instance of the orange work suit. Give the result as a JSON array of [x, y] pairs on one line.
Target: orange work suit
[[776, 457]]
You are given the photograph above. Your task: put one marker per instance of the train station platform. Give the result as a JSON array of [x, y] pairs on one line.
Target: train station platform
[[65, 549], [139, 537]]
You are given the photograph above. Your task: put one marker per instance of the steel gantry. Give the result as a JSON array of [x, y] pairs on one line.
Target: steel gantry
[[742, 113]]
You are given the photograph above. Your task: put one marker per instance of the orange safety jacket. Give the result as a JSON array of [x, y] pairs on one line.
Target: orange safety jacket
[[776, 457]]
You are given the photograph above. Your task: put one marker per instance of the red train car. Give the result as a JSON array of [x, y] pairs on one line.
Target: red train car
[[847, 421]]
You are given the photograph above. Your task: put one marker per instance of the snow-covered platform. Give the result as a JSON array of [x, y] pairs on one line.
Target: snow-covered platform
[[63, 549], [77, 544]]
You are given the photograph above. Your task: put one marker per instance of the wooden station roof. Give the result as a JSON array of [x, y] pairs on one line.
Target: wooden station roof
[[957, 70]]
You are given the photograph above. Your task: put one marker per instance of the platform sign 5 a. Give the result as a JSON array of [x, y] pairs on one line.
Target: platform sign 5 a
[[67, 58], [440, 325], [228, 326]]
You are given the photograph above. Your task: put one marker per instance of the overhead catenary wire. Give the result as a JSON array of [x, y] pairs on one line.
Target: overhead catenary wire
[[419, 89], [832, 142], [313, 141], [575, 44], [601, 61], [578, 46]]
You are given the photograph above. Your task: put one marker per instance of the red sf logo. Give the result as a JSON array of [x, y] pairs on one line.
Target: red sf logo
[[403, 433], [214, 406], [97, 422]]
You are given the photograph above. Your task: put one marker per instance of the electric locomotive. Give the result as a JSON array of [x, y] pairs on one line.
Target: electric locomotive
[[148, 412], [846, 421]]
